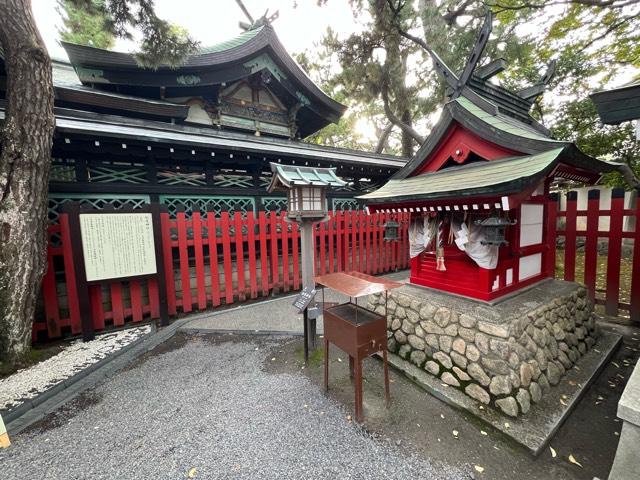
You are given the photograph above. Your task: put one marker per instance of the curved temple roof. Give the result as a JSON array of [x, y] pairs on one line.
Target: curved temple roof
[[486, 178], [250, 52]]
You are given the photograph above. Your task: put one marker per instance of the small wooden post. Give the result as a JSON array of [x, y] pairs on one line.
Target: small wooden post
[[86, 318]]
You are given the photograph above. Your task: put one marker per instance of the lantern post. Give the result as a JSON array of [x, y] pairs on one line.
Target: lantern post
[[306, 189]]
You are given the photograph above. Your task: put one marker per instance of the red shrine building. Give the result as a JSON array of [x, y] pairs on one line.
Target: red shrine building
[[478, 189]]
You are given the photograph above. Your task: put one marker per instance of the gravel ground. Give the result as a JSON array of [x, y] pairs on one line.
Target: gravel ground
[[77, 355], [209, 406]]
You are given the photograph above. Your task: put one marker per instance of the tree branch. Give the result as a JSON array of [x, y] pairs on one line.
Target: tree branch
[[384, 136], [409, 130], [451, 15]]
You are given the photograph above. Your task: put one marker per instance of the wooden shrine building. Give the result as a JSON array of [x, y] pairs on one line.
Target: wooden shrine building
[[478, 187], [199, 136]]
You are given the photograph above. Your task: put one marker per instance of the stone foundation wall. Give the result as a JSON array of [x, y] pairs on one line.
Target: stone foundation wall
[[507, 364]]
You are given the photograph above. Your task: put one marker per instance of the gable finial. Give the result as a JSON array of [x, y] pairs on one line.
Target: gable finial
[[534, 91], [265, 19]]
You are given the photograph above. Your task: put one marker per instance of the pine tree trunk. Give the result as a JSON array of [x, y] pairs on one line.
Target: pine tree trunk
[[24, 175], [407, 140]]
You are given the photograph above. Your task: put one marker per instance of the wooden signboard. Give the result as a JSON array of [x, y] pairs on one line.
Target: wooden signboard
[[115, 245]]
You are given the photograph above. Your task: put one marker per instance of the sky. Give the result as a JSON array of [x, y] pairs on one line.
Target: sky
[[213, 21]]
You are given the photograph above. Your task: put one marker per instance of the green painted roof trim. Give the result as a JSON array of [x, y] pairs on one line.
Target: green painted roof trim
[[473, 179], [241, 39], [501, 122]]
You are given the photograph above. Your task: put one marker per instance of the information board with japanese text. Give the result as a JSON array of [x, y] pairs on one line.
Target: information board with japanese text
[[117, 245]]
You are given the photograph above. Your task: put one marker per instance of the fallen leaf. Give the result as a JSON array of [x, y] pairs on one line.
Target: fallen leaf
[[192, 473], [553, 452], [574, 461], [478, 468], [483, 432]]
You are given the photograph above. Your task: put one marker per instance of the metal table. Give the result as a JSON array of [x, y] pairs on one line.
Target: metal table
[[357, 331]]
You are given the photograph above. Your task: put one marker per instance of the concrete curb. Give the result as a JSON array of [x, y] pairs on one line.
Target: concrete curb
[[221, 331], [37, 408]]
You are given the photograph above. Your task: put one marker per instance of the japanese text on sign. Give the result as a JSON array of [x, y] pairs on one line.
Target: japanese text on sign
[[304, 298], [117, 245]]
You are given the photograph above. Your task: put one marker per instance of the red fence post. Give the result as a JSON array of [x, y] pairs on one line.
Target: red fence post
[[273, 237], [264, 253], [242, 294], [212, 234], [323, 249], [570, 237], [167, 245], [591, 243], [634, 309], [614, 254], [185, 274], [295, 249], [226, 251], [330, 234], [251, 241], [284, 233], [196, 221], [49, 290], [339, 242], [135, 292], [551, 240]]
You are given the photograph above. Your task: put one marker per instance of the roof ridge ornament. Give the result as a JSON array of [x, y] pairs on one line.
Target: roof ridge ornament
[[265, 19]]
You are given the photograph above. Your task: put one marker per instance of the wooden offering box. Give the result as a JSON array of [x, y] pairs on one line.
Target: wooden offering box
[[357, 331]]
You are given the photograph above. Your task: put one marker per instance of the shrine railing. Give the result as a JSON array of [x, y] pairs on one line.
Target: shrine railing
[[599, 245], [265, 249]]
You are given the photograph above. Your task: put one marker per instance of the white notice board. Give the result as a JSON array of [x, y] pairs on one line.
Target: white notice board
[[117, 245]]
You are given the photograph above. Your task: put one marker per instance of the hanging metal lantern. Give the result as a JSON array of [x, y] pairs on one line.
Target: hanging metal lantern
[[391, 229], [495, 230]]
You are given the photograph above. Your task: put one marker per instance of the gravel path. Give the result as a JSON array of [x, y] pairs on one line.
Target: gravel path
[[209, 407]]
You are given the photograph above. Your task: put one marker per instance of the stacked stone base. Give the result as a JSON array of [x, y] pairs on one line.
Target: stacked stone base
[[508, 355]]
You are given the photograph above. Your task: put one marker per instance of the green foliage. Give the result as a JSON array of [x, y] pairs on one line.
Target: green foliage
[[592, 41], [162, 42], [578, 120], [84, 24]]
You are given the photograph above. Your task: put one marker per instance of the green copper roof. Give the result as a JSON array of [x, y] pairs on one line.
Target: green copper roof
[[290, 175], [501, 122], [478, 178], [232, 43]]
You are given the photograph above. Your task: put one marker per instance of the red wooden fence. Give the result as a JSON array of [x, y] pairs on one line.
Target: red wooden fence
[[265, 250], [584, 225], [252, 257]]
